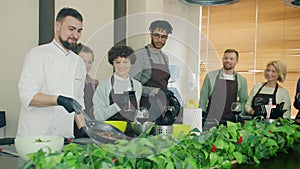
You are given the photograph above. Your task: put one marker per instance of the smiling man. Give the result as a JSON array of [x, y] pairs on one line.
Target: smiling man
[[152, 65], [222, 87], [52, 81]]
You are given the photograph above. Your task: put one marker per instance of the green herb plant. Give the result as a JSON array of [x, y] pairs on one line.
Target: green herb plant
[[217, 148]]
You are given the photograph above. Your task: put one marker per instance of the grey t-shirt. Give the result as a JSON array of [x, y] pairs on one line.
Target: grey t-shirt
[[141, 69]]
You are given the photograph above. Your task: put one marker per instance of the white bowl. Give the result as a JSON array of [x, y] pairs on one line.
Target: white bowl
[[30, 144]]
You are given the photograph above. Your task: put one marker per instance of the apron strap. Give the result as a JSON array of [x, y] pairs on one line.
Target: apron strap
[[274, 93], [112, 80]]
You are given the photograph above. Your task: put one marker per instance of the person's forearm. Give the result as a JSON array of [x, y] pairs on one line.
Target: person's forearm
[[43, 100], [80, 121]]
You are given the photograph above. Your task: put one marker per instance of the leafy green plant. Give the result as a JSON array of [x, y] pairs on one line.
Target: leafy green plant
[[218, 147]]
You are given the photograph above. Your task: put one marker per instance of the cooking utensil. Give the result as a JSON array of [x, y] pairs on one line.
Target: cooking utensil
[[80, 111], [100, 132]]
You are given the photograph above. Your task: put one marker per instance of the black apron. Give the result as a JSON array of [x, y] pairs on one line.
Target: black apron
[[88, 99], [89, 89], [219, 105], [160, 75], [124, 115], [260, 99]]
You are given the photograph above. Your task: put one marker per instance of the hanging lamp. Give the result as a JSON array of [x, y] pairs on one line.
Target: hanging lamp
[[208, 2], [295, 3]]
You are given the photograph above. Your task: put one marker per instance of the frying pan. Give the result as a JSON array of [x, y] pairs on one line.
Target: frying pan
[[100, 132]]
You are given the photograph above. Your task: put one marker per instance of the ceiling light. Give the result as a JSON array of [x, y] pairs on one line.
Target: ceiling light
[[255, 71], [208, 2]]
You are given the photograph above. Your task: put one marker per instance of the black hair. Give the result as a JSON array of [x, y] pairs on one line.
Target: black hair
[[121, 51], [64, 12], [161, 24]]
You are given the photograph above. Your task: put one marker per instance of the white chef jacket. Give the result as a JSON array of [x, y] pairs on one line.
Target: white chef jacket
[[51, 70]]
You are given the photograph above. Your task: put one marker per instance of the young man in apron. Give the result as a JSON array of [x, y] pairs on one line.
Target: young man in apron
[[222, 87], [152, 69]]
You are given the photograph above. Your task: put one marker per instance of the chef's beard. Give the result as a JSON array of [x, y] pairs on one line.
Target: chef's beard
[[66, 44], [153, 44]]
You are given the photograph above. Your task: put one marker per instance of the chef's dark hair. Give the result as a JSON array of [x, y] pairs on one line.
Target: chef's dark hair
[[121, 51], [64, 12], [161, 24]]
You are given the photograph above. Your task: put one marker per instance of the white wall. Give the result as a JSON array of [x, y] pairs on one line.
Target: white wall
[[19, 33]]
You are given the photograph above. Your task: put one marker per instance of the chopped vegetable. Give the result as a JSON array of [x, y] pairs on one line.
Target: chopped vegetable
[[41, 141]]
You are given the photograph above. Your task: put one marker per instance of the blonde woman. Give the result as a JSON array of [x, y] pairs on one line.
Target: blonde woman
[[264, 92]]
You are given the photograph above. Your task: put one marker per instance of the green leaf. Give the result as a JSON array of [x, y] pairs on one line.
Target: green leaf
[[190, 163], [219, 144], [169, 166], [191, 151], [271, 142], [213, 158], [144, 141], [263, 140], [297, 134], [256, 160], [158, 160], [205, 154], [226, 164], [53, 160], [245, 135], [231, 148], [143, 164], [238, 156]]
